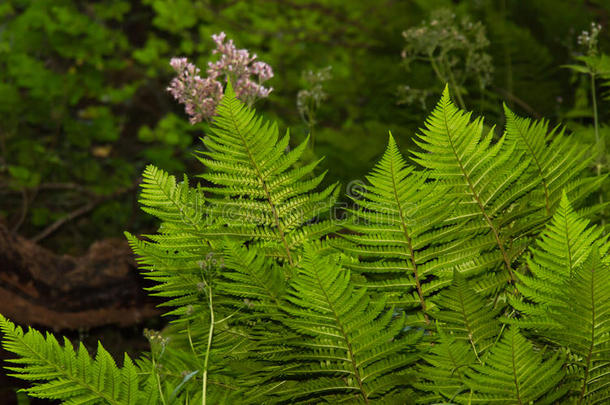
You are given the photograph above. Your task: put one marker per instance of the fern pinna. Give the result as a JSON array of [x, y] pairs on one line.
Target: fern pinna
[[462, 276]]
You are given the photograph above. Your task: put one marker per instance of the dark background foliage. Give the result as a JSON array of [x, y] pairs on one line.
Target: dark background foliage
[[83, 101]]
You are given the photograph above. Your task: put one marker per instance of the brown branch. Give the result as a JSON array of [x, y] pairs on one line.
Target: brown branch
[[519, 102], [24, 210], [81, 211]]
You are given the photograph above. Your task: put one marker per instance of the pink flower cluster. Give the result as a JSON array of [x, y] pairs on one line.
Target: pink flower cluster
[[201, 96]]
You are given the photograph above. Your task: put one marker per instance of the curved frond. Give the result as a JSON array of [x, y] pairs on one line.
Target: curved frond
[[489, 179], [399, 235], [515, 373], [354, 348], [61, 373], [556, 159], [255, 183]]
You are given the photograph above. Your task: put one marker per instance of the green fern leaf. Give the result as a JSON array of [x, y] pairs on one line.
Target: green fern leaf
[[351, 348], [489, 179], [441, 376], [562, 248], [467, 316], [257, 192], [555, 158], [400, 236], [514, 373], [60, 373]]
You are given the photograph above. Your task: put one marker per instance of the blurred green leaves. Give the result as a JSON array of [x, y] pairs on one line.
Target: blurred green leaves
[[83, 84]]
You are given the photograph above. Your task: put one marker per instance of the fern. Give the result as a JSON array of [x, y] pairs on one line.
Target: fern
[[514, 373], [467, 316], [69, 375], [434, 293], [257, 194], [355, 348], [563, 247], [403, 246], [489, 180], [555, 159], [442, 374]]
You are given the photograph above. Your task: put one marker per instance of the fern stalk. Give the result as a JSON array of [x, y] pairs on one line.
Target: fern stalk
[[598, 166], [256, 167], [420, 294], [209, 346], [477, 198]]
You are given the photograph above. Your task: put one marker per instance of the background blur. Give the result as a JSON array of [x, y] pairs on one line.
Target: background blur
[[84, 106]]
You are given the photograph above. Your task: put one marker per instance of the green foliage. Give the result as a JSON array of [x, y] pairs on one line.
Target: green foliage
[[432, 290], [79, 80], [73, 375]]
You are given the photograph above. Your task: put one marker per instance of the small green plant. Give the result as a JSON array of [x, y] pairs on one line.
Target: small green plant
[[311, 97], [456, 49], [469, 280], [596, 66]]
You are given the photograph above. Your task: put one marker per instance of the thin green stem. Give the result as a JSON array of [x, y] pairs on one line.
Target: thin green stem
[[209, 347], [600, 143], [594, 102], [456, 89], [154, 370], [436, 69]]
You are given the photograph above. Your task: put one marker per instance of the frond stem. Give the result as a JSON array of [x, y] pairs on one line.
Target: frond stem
[[266, 189], [583, 389], [420, 293], [208, 348], [347, 342], [479, 203]]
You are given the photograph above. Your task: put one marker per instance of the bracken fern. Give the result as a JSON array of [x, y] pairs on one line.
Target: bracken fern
[[463, 276]]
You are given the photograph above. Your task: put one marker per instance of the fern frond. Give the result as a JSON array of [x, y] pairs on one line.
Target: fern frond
[[555, 158], [562, 248], [489, 179], [577, 317], [352, 348], [61, 373], [255, 182], [515, 373], [441, 376], [173, 203], [567, 299], [400, 236], [252, 278], [467, 316]]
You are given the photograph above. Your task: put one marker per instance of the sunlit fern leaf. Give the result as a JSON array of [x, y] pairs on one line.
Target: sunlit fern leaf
[[178, 272], [555, 158], [441, 376], [562, 248], [400, 236], [490, 180], [514, 373], [61, 373], [467, 316], [577, 317], [176, 257], [257, 283], [256, 183], [176, 204], [352, 348]]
